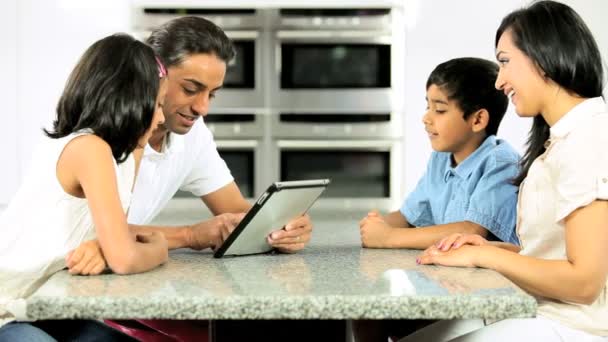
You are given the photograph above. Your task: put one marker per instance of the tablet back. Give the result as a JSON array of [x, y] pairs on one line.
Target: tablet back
[[282, 202]]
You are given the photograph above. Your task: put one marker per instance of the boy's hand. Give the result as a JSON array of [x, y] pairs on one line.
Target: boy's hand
[[375, 232], [86, 259], [457, 240]]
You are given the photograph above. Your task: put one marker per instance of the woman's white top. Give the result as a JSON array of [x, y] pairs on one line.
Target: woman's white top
[[572, 173], [42, 224]]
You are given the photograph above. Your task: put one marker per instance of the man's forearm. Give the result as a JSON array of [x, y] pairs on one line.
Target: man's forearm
[[177, 236]]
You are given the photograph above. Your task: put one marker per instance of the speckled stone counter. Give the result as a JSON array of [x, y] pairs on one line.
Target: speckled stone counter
[[333, 278]]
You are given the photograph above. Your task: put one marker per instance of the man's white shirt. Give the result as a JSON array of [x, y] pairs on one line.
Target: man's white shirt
[[187, 162]]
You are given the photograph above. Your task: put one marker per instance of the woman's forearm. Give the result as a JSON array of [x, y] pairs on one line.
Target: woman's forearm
[[556, 279]]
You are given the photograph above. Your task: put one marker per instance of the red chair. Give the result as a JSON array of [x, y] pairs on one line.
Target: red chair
[[163, 330]]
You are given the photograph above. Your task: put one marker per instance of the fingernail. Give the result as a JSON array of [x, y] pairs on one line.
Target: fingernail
[[418, 261], [273, 235]]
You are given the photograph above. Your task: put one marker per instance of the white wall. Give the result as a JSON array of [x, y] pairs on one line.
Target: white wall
[[43, 39], [9, 165], [439, 30], [52, 35]]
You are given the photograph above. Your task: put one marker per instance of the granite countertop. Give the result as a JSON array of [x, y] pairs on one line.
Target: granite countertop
[[333, 278]]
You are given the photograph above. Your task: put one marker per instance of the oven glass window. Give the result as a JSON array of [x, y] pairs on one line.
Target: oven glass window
[[240, 72], [240, 163], [335, 66], [352, 173]]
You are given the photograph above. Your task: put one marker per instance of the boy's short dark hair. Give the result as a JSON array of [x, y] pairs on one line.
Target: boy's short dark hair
[[111, 91], [184, 36], [470, 82]]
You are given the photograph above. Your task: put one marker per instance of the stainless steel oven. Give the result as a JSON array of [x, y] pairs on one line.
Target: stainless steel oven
[[243, 160], [241, 143], [365, 174], [344, 125], [333, 60], [242, 87]]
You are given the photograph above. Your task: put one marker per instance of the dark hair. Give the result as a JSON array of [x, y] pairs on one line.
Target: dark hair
[[470, 82], [112, 91], [184, 36], [559, 42]]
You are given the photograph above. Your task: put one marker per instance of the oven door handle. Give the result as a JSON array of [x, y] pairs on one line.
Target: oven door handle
[[336, 36], [376, 145], [236, 143]]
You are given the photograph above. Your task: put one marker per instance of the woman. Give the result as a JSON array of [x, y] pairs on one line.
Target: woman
[[551, 68]]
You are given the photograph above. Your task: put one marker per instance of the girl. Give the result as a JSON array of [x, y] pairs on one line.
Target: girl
[[80, 183], [552, 70]]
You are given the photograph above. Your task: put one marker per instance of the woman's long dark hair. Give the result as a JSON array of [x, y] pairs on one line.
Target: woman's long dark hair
[[111, 91], [559, 42]]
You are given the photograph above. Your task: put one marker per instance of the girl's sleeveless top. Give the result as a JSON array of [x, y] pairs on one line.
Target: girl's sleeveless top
[[42, 224]]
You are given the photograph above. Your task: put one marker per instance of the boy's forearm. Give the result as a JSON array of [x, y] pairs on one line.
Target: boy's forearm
[[177, 236], [506, 245], [424, 237]]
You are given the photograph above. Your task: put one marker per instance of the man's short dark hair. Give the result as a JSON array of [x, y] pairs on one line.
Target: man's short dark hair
[[185, 36]]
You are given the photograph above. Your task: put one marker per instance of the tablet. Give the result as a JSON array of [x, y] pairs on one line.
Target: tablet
[[282, 202]]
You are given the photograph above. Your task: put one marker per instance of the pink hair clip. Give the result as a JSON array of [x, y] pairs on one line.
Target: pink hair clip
[[162, 72]]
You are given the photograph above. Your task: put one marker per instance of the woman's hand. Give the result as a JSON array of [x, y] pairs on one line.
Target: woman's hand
[[464, 256], [457, 240], [86, 259]]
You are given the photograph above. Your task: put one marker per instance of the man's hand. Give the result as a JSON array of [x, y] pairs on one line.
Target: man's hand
[[293, 237], [86, 259], [375, 232], [212, 233]]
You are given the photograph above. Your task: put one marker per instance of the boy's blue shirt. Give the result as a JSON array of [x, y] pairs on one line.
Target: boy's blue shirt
[[478, 190]]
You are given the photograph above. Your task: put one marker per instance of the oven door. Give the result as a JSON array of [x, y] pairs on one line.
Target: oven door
[[236, 125], [333, 71], [337, 125], [242, 158], [364, 174], [242, 86]]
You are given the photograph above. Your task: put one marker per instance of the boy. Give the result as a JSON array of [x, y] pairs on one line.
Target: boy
[[467, 185]]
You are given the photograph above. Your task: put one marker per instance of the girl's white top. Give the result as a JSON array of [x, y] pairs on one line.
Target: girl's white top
[[42, 224], [572, 173]]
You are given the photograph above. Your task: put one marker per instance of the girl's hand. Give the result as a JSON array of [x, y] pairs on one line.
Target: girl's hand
[[86, 259], [465, 256], [457, 240]]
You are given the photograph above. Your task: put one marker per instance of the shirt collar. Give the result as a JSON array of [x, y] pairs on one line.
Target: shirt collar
[[172, 143], [570, 120], [466, 167]]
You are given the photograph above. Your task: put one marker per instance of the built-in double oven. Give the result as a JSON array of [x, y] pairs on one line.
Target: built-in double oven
[[335, 102], [311, 93]]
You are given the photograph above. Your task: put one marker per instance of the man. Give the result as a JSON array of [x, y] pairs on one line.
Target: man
[[182, 154]]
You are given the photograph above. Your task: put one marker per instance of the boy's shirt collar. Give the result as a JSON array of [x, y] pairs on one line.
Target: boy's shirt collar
[[467, 166]]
